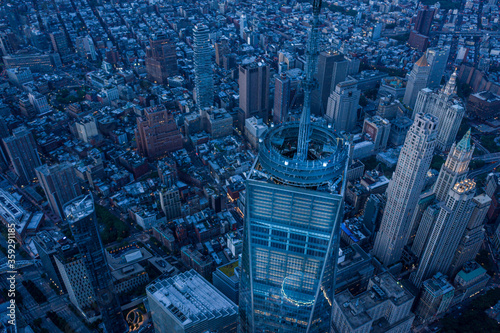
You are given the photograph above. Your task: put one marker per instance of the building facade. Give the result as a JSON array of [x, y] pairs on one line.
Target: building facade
[[404, 189], [22, 151]]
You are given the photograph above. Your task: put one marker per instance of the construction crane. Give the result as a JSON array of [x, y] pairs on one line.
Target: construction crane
[[310, 83]]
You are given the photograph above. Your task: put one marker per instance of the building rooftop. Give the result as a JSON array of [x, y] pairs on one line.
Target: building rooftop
[[190, 298], [79, 208]]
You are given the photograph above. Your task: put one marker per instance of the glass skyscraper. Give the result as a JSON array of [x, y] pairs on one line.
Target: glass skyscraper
[[292, 217], [82, 220]]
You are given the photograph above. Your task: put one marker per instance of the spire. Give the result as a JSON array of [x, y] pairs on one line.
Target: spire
[[422, 62], [464, 144], [451, 86], [309, 83]]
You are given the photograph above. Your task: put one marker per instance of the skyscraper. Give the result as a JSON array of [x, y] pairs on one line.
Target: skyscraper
[[424, 20], [161, 59], [282, 86], [59, 184], [254, 89], [446, 232], [404, 189], [332, 69], [417, 80], [293, 208], [82, 220], [456, 167], [204, 82], [293, 213], [437, 57], [221, 49], [445, 105], [473, 236], [21, 148], [343, 105], [157, 133]]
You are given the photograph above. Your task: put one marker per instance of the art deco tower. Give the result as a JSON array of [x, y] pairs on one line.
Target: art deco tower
[[404, 189], [455, 168], [204, 82], [294, 205], [447, 232]]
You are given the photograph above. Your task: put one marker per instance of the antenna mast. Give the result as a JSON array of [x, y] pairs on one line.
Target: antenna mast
[[309, 83]]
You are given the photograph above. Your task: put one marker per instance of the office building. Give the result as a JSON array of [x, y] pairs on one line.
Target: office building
[[161, 59], [445, 105], [343, 103], [354, 270], [86, 128], [81, 217], [21, 148], [157, 133], [170, 202], [437, 57], [37, 63], [60, 185], [221, 49], [332, 69], [290, 247], [226, 278], [60, 43], [204, 82], [436, 297], [253, 82], [456, 167], [446, 233], [187, 303], [282, 87], [19, 75], [424, 20], [404, 189], [49, 245], [417, 80], [471, 280], [388, 107], [384, 307], [377, 129], [75, 277], [473, 236]]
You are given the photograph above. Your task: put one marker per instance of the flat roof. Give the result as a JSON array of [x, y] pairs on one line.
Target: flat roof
[[191, 299]]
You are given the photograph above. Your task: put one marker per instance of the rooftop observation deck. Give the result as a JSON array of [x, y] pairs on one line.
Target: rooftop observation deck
[[325, 163]]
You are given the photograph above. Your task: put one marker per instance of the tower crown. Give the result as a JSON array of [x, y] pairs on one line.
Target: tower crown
[[464, 144]]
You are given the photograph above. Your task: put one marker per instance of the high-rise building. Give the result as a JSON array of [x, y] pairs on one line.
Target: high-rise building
[[437, 57], [60, 43], [254, 90], [170, 202], [456, 167], [405, 188], [221, 49], [436, 297], [473, 236], [343, 106], [243, 26], [60, 185], [446, 233], [204, 82], [81, 216], [417, 80], [157, 133], [290, 246], [384, 307], [447, 107], [332, 69], [282, 86], [187, 303], [424, 20], [21, 148], [161, 59], [86, 128]]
